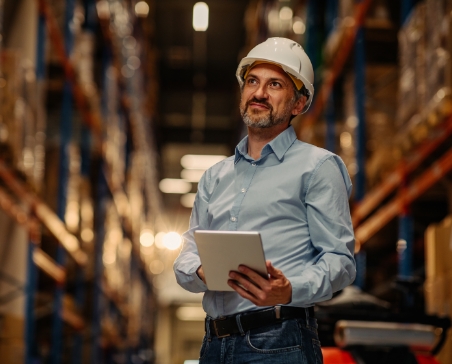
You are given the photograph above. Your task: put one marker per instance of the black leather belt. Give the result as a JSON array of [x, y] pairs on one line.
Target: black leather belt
[[228, 325]]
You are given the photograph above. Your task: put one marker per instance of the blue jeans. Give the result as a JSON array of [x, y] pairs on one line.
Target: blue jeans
[[288, 342]]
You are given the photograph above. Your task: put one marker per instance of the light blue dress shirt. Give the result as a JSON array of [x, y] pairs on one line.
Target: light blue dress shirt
[[296, 196]]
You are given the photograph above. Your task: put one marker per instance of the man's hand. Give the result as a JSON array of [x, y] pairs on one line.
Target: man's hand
[[200, 273], [275, 290]]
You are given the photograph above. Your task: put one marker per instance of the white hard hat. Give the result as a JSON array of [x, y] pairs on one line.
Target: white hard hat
[[287, 54]]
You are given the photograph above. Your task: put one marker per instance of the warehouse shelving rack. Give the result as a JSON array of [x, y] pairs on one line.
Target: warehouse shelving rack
[[366, 221], [36, 212]]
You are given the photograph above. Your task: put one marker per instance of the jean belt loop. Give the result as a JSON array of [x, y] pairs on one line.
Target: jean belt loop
[[207, 323], [239, 324], [306, 310]]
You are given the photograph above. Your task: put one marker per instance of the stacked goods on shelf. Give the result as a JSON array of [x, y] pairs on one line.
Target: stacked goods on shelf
[[412, 75], [438, 283], [116, 255], [425, 96], [439, 46], [11, 339], [21, 135], [347, 140], [412, 80]]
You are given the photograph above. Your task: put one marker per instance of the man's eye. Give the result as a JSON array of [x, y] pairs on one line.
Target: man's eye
[[275, 84], [251, 81]]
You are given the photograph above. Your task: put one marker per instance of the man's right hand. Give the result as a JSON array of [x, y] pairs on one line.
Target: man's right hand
[[200, 273]]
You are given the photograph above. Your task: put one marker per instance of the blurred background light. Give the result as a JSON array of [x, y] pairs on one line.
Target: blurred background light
[[159, 240], [298, 26], [285, 13], [174, 185], [156, 266], [200, 17], [146, 237], [141, 9], [193, 161], [192, 175], [190, 313], [188, 200], [172, 240]]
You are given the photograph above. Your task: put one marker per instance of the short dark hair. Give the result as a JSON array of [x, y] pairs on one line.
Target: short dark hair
[[300, 93]]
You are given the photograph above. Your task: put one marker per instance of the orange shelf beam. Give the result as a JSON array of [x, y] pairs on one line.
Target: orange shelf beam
[[386, 213], [45, 215], [393, 181], [91, 119], [346, 46], [41, 259]]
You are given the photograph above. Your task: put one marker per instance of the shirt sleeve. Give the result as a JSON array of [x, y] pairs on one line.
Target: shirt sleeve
[[188, 262], [331, 233]]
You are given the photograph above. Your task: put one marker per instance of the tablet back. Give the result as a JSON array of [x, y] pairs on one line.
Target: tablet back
[[223, 251]]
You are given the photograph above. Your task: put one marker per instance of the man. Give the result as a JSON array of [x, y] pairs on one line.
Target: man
[[296, 196]]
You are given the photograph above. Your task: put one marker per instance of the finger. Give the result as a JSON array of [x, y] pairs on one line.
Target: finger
[[245, 282], [274, 272], [253, 275], [243, 292]]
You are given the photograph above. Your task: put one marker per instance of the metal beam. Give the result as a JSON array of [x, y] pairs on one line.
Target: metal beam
[[395, 207]]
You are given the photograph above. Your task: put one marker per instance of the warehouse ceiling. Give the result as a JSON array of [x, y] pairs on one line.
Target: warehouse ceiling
[[198, 91], [197, 109]]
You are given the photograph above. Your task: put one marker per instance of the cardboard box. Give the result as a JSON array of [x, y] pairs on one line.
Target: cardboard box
[[437, 293], [11, 327], [439, 46], [413, 96], [447, 226], [438, 252], [430, 300], [12, 351]]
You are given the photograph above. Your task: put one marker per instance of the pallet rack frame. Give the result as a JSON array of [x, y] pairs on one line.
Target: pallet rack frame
[[40, 212]]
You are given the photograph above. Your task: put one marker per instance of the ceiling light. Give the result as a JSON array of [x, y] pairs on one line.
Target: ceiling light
[[142, 9], [193, 161], [192, 175], [173, 185], [200, 17], [188, 200]]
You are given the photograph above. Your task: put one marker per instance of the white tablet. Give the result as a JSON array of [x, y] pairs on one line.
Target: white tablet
[[223, 251]]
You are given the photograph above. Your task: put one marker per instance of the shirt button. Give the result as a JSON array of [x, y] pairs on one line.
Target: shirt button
[[233, 218], [253, 164], [243, 190]]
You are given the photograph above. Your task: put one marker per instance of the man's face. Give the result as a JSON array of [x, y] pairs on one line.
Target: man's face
[[268, 97]]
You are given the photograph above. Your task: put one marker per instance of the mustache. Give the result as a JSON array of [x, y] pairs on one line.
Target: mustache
[[257, 101]]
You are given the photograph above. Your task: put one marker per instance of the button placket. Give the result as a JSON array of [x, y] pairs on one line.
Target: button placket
[[234, 214]]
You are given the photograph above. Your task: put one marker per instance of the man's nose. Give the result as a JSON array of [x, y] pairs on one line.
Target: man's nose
[[261, 92]]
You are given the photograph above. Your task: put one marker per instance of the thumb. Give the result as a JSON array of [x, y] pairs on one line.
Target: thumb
[[272, 270]]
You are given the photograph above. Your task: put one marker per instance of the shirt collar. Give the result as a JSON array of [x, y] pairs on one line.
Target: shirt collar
[[278, 145]]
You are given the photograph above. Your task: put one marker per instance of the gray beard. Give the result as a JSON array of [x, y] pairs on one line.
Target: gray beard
[[267, 120]]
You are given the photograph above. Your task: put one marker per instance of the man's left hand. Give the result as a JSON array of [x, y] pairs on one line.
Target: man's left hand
[[276, 290]]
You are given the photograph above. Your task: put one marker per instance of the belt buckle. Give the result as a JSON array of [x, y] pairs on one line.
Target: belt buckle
[[216, 328]]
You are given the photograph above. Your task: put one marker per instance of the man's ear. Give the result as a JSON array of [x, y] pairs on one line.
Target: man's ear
[[299, 105]]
